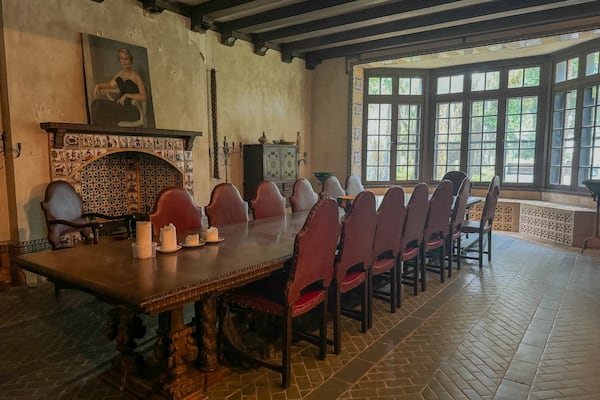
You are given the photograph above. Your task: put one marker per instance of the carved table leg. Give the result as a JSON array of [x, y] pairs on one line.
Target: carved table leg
[[124, 326], [206, 332], [182, 349]]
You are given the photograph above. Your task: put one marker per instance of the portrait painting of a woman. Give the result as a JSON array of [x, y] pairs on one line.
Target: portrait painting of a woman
[[117, 91]]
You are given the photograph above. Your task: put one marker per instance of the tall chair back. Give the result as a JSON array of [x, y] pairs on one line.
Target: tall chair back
[[268, 201], [459, 211], [303, 196], [412, 237], [353, 261], [226, 206], [436, 229], [494, 184], [353, 185], [456, 177], [386, 245], [332, 189], [174, 205]]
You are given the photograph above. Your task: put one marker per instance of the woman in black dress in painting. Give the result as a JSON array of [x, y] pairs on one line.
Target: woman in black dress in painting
[[130, 85]]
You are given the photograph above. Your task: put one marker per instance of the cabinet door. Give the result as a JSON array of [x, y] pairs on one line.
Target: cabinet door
[[288, 165], [272, 164]]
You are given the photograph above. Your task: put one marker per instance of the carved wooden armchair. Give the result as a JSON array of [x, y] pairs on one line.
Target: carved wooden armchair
[[63, 209]]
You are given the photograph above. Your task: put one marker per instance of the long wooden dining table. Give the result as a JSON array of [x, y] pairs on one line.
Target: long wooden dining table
[[163, 285]]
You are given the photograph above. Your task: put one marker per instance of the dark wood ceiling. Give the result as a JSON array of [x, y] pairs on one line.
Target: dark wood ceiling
[[368, 30]]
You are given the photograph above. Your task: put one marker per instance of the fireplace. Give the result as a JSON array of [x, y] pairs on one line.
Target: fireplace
[[120, 170]]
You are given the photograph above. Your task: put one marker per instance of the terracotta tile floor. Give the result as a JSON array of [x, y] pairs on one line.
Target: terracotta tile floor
[[525, 327]]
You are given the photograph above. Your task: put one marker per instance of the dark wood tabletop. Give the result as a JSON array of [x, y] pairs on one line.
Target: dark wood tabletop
[[108, 270]]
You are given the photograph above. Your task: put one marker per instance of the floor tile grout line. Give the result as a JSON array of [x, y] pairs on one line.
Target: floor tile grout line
[[458, 281]]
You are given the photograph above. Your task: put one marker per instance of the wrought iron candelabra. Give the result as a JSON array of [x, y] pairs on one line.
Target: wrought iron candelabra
[[225, 152]]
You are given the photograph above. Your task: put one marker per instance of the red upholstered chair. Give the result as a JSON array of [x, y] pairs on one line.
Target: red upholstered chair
[[386, 245], [301, 286], [412, 237], [353, 185], [352, 263], [459, 210], [303, 196], [436, 230], [268, 201], [226, 206], [332, 189], [174, 205], [483, 227]]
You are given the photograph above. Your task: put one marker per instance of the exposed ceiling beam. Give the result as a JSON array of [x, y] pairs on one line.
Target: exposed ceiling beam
[[424, 23], [158, 6], [292, 14], [365, 17], [510, 27]]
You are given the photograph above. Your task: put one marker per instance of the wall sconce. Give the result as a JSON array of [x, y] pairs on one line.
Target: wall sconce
[[3, 147]]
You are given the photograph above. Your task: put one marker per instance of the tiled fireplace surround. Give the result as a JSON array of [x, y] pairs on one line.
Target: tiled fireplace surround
[[121, 171]]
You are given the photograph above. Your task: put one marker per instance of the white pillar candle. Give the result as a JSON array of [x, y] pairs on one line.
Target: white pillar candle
[[143, 239], [168, 238], [143, 233], [212, 234]]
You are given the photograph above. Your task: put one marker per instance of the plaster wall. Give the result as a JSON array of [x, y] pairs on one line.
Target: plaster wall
[[259, 94], [45, 82], [330, 119]]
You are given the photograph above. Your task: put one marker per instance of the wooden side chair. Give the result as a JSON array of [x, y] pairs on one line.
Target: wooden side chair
[[353, 185], [303, 196], [268, 201], [175, 205], [457, 218], [436, 230], [332, 189], [226, 206], [386, 245], [301, 286], [412, 236], [352, 263], [483, 227]]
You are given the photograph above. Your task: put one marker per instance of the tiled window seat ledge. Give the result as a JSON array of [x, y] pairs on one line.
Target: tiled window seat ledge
[[555, 222]]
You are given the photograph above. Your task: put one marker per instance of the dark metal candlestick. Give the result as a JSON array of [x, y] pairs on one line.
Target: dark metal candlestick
[[226, 152]]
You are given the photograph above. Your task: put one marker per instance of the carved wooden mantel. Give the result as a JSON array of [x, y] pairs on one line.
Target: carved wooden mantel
[[59, 129]]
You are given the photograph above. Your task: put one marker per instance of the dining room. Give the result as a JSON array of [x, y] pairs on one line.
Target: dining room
[[224, 97]]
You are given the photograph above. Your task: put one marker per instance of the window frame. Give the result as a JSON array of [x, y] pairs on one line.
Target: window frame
[[395, 100]]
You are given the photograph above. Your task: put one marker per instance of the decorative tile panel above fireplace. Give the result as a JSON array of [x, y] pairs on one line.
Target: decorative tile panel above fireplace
[[120, 170]]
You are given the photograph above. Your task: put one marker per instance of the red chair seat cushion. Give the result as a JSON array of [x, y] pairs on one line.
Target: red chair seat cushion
[[266, 295], [435, 243], [351, 280], [408, 253], [383, 265]]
